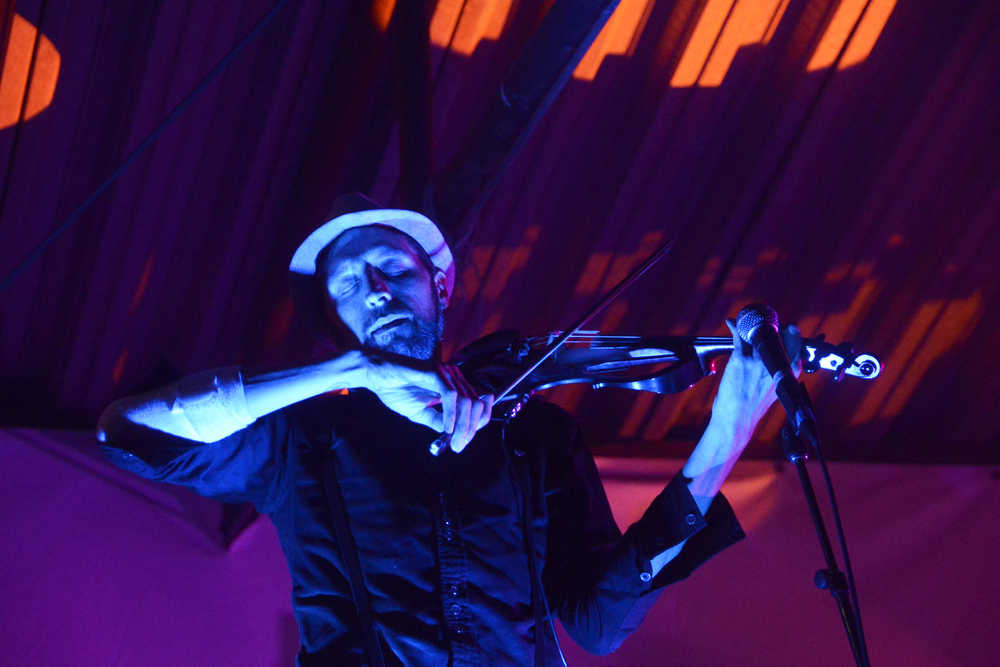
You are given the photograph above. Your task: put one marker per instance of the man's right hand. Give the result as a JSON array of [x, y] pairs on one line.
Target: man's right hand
[[441, 399]]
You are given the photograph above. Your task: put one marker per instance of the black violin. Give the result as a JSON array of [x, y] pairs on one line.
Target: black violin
[[513, 368], [659, 364]]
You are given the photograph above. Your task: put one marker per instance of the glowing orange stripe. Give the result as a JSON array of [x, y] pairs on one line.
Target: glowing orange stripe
[[480, 20], [617, 37], [592, 274], [119, 368], [382, 13], [952, 327], [750, 23], [723, 28], [700, 45], [868, 32], [15, 73], [934, 330], [865, 36], [641, 406], [140, 290], [775, 21]]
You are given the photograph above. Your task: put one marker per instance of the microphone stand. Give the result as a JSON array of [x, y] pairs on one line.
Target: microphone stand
[[830, 578]]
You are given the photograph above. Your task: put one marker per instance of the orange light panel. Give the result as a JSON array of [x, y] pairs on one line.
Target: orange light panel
[[749, 24], [510, 260], [868, 32], [932, 333], [382, 13], [713, 16], [709, 54], [593, 273], [617, 37], [15, 73], [865, 36], [479, 20]]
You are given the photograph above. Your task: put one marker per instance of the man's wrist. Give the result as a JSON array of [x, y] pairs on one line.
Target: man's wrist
[[346, 371]]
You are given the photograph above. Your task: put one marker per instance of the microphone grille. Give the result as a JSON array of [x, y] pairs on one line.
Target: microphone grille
[[752, 318]]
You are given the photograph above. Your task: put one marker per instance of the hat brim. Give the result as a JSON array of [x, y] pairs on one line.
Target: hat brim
[[418, 227]]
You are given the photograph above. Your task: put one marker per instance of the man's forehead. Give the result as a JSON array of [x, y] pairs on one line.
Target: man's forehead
[[370, 240]]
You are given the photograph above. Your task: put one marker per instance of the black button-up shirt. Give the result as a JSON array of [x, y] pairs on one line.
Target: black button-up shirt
[[440, 540]]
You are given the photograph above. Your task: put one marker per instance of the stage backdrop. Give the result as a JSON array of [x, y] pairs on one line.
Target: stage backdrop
[[836, 159], [99, 568]]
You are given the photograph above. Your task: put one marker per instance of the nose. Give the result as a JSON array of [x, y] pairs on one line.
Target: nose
[[378, 289]]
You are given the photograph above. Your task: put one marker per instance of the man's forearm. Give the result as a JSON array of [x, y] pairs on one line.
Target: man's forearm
[[713, 458], [707, 468], [268, 392], [208, 406]]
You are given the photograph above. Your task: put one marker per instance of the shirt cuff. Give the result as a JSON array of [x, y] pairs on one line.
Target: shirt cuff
[[674, 517]]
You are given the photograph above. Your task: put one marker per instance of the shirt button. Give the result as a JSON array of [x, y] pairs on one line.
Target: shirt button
[[456, 609], [460, 629], [691, 519], [645, 576], [453, 590]]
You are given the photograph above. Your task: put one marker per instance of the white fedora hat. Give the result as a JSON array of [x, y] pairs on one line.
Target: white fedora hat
[[356, 210]]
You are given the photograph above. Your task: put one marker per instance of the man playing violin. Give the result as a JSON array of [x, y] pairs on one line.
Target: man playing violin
[[398, 557]]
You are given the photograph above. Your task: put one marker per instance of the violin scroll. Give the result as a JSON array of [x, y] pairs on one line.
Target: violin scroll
[[840, 359]]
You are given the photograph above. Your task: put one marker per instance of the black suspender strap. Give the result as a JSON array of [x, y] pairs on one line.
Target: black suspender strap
[[349, 552], [528, 524]]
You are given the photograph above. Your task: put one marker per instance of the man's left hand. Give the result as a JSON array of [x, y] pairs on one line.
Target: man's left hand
[[746, 390]]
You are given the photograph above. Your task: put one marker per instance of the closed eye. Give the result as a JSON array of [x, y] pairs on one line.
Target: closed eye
[[393, 268], [344, 287]]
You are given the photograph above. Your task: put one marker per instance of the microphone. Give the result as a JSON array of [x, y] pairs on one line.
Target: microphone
[[757, 325]]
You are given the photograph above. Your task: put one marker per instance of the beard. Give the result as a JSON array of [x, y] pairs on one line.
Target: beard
[[415, 338]]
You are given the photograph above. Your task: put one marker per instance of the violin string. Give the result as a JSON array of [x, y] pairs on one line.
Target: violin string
[[602, 337], [597, 340]]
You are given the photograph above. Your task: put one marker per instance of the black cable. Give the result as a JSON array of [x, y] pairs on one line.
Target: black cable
[[143, 145], [852, 589], [520, 501], [548, 615]]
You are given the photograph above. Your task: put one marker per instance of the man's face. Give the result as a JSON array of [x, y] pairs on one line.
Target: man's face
[[383, 291]]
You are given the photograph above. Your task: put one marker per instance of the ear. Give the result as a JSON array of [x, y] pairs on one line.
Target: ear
[[441, 288]]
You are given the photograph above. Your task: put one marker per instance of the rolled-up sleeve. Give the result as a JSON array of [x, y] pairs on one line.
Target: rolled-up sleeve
[[599, 580], [246, 466]]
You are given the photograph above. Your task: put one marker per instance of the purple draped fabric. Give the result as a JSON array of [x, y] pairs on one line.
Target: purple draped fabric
[[101, 568]]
